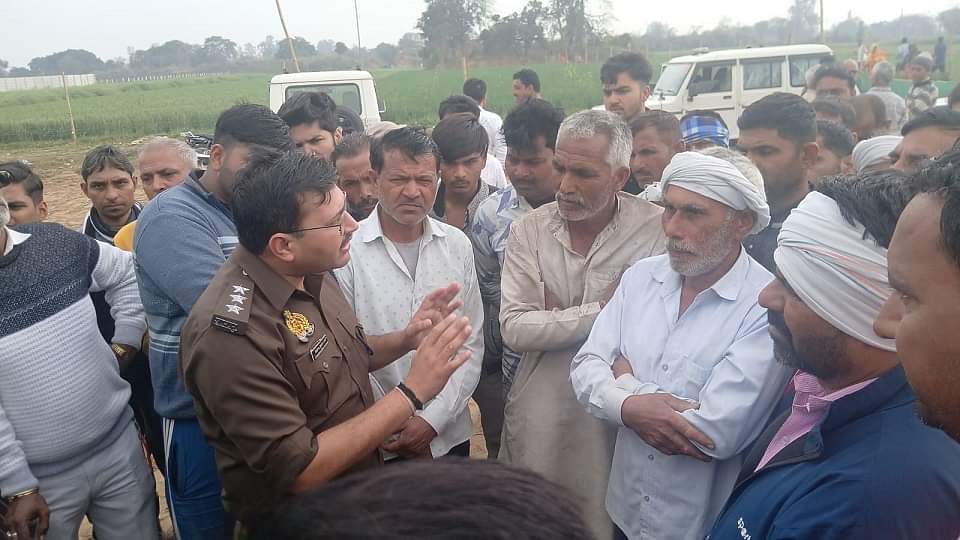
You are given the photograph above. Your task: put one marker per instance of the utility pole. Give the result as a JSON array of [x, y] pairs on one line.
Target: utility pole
[[293, 51], [356, 14], [823, 35], [66, 92]]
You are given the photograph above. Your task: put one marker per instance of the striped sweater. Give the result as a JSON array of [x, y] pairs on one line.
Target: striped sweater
[[182, 239], [61, 396]]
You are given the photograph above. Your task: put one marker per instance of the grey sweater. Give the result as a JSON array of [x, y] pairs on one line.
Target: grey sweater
[[61, 396]]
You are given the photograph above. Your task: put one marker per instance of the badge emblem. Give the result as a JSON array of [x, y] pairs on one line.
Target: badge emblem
[[299, 325]]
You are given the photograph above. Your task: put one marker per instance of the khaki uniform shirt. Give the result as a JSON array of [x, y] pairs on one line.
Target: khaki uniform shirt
[[269, 367]]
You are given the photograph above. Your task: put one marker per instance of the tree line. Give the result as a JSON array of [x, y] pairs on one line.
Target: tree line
[[452, 30]]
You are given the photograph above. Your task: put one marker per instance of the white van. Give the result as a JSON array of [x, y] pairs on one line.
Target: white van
[[353, 89], [728, 81]]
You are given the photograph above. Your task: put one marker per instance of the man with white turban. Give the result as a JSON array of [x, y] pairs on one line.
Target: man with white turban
[[875, 154], [680, 358], [849, 459]]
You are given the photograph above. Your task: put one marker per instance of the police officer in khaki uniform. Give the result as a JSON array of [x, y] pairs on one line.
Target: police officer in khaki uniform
[[275, 359]]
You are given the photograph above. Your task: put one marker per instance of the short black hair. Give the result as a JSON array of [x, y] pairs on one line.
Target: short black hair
[[475, 88], [350, 146], [528, 77], [633, 64], [834, 71], [834, 106], [269, 192], [873, 199], [942, 117], [836, 138], [254, 125], [409, 141], [460, 135], [941, 179], [458, 104], [954, 96], [704, 112], [19, 172], [666, 124], [789, 114], [425, 499], [529, 120], [872, 103], [309, 107], [103, 157]]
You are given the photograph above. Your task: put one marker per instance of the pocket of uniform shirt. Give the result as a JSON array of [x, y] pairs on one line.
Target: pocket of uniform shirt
[[321, 372], [696, 377]]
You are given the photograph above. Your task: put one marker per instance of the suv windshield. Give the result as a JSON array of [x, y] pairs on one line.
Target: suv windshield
[[671, 79]]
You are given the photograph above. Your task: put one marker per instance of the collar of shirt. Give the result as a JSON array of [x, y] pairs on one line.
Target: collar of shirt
[[439, 205], [374, 230], [14, 238], [727, 287], [277, 289], [811, 395], [193, 182], [512, 200], [928, 82], [558, 227]]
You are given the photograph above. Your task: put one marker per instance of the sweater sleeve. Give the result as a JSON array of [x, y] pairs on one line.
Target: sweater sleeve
[[114, 274], [15, 475]]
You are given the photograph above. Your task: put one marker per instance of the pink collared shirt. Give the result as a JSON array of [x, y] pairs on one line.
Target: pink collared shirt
[[810, 403]]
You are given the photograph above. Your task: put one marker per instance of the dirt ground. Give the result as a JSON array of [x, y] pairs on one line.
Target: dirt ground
[[59, 167]]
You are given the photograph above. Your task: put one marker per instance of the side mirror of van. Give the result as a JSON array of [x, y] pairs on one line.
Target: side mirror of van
[[381, 105], [692, 92]]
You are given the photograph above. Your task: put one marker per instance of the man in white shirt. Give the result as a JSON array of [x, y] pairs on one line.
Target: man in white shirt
[[398, 256], [694, 388], [562, 264], [492, 172], [491, 121]]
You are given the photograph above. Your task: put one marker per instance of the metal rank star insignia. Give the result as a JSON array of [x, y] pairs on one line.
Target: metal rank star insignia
[[299, 325]]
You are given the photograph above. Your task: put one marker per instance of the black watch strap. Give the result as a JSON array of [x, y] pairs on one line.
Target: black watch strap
[[417, 404]]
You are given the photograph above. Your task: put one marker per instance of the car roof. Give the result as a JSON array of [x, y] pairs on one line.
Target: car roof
[[755, 52], [320, 76]]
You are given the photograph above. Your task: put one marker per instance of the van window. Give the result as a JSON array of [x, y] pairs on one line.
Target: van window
[[798, 69], [346, 94], [671, 79], [712, 78], [762, 74]]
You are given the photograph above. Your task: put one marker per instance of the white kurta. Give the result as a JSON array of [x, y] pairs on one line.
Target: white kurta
[[544, 428]]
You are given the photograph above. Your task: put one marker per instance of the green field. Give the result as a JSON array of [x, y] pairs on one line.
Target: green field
[[133, 110], [137, 109]]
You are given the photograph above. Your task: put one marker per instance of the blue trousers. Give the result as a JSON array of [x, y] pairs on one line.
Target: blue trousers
[[193, 485]]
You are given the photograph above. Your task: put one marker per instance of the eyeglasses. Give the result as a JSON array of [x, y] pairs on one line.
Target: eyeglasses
[[337, 226]]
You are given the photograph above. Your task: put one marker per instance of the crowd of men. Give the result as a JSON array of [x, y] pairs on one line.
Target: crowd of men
[[666, 337]]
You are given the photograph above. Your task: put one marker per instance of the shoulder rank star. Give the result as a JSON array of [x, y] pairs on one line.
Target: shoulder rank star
[[299, 325]]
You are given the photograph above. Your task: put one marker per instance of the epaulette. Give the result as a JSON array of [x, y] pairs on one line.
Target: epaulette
[[234, 309]]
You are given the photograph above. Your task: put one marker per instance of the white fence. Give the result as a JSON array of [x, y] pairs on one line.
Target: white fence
[[160, 77], [47, 81]]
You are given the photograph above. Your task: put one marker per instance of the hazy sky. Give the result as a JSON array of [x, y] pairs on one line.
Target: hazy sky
[[107, 27]]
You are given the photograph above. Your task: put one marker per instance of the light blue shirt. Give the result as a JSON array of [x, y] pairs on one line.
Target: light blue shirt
[[489, 230], [718, 353]]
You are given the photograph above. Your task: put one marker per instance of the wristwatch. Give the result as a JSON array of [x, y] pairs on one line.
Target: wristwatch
[[122, 351]]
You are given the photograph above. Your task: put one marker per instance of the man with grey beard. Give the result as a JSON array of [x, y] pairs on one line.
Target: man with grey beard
[[680, 360], [562, 264]]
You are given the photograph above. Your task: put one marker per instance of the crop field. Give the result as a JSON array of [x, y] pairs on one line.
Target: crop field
[[137, 109]]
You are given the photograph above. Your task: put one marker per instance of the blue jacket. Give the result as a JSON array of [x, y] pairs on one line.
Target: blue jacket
[[869, 470], [183, 238]]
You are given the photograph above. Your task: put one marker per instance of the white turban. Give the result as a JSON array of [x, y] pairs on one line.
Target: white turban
[[837, 273], [717, 179], [873, 151]]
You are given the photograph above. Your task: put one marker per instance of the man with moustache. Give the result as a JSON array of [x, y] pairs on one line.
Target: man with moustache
[[562, 265], [656, 139], [849, 458], [355, 176], [398, 255], [692, 389], [922, 313]]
